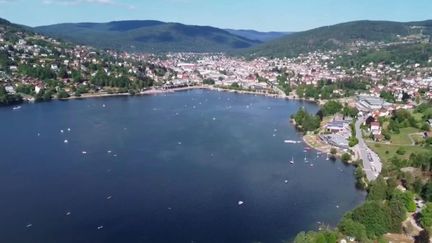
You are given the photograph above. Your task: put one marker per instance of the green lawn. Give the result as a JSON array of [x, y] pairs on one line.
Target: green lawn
[[402, 138], [381, 149]]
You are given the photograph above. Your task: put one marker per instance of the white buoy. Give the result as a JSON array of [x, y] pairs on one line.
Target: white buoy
[[286, 181], [61, 131], [66, 141], [69, 129]]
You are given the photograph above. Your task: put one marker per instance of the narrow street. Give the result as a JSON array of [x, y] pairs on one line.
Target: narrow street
[[371, 162]]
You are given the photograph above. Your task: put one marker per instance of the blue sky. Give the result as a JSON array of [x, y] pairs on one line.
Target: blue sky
[[264, 15]]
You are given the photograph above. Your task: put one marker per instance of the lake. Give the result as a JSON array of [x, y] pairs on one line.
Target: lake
[[192, 166]]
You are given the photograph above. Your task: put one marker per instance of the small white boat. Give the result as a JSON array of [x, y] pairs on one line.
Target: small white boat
[[109, 197], [16, 108], [68, 213], [29, 225], [240, 203], [291, 141], [84, 152], [66, 141], [100, 227], [292, 160]]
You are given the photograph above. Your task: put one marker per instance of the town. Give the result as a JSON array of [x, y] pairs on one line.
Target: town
[[33, 65], [373, 115]]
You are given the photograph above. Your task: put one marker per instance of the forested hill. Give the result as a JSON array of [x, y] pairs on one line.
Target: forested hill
[[339, 36], [148, 36]]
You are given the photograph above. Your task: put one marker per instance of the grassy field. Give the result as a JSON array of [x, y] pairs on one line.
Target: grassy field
[[402, 138], [387, 151]]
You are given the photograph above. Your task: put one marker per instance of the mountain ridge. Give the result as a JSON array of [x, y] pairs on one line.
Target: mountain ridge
[[262, 36], [148, 36], [338, 36]]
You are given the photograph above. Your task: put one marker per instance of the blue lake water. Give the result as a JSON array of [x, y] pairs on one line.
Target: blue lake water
[[164, 168]]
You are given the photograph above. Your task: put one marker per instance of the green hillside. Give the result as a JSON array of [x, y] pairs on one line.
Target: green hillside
[[148, 36], [338, 36]]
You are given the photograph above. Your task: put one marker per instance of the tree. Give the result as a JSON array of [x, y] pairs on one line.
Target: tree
[[351, 228], [397, 215], [306, 121], [360, 174], [427, 192], [76, 76], [326, 236], [374, 216], [333, 151], [407, 198], [346, 157], [235, 85], [62, 94], [350, 111], [401, 151], [388, 96], [209, 81], [378, 190], [426, 216], [352, 141], [331, 107]]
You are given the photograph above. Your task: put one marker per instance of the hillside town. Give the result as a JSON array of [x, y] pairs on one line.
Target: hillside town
[[31, 63], [373, 112]]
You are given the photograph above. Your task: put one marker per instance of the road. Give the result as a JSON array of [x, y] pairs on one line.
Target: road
[[372, 165]]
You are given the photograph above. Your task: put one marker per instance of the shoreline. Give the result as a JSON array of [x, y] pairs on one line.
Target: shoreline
[[166, 91]]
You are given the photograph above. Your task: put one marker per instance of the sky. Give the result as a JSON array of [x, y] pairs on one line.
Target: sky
[[262, 15]]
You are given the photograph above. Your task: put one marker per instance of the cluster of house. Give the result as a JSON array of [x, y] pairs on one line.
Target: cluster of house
[[37, 51], [338, 130], [259, 74]]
